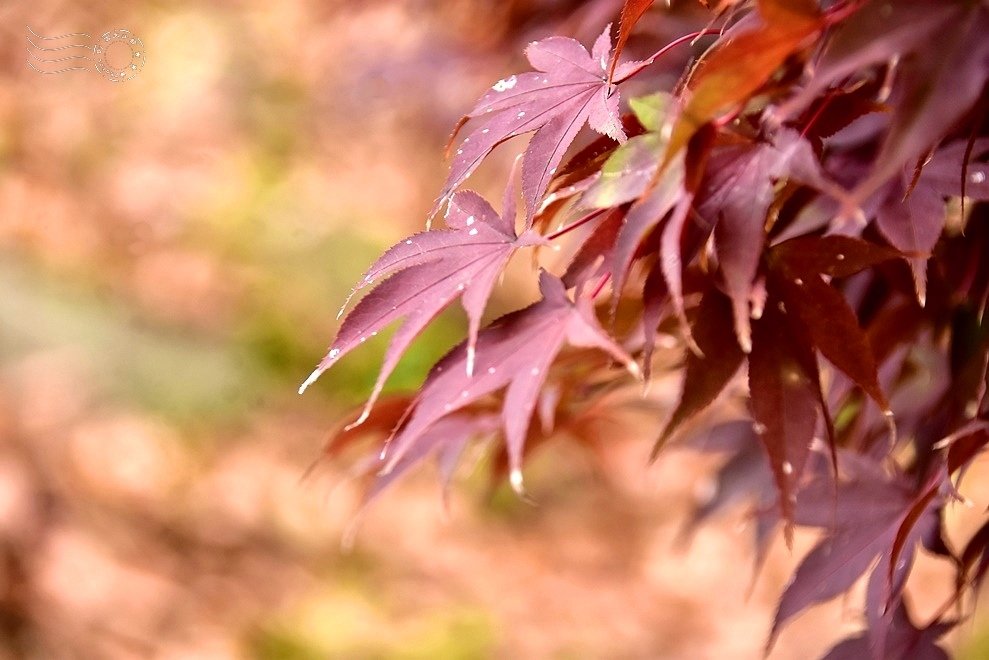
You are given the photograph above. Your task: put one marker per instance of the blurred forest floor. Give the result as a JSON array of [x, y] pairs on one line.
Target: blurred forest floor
[[172, 253]]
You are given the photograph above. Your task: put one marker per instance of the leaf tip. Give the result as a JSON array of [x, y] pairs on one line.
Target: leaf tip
[[788, 535], [692, 345], [891, 425], [515, 479], [771, 642], [365, 413], [310, 380], [657, 447]]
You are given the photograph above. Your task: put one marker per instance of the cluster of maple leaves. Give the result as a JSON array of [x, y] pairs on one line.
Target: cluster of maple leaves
[[805, 210]]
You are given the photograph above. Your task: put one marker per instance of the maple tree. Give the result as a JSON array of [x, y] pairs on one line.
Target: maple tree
[[804, 210]]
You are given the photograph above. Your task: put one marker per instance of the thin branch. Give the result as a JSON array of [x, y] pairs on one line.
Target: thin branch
[[665, 49], [574, 225]]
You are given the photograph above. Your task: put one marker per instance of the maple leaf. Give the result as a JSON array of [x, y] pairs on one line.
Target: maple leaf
[[974, 561], [515, 352], [740, 65], [717, 189], [706, 375], [804, 313], [913, 221], [425, 273], [950, 176], [877, 33], [785, 398], [745, 475], [830, 322], [654, 303], [569, 88], [584, 167], [931, 93], [590, 258], [837, 108], [630, 170], [445, 440], [834, 256], [671, 193], [643, 217], [868, 513], [905, 641], [735, 198], [632, 11]]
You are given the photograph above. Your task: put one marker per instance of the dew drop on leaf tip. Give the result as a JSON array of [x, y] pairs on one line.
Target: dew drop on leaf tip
[[515, 478]]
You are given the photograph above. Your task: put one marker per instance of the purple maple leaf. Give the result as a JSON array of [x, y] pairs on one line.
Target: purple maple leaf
[[514, 352], [735, 199], [913, 223], [903, 641], [569, 88], [875, 34], [425, 273], [785, 398], [445, 440], [869, 513], [705, 375]]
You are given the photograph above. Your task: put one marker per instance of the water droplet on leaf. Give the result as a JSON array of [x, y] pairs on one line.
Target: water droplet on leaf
[[505, 84]]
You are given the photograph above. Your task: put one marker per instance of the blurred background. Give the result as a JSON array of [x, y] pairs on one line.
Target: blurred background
[[173, 249]]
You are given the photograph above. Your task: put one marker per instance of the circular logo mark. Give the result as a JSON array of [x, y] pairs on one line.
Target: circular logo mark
[[112, 55]]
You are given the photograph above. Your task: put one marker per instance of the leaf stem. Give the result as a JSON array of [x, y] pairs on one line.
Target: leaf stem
[[600, 287], [817, 114], [574, 225], [665, 49]]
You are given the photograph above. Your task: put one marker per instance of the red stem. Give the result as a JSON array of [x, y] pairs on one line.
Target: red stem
[[810, 123], [574, 225], [668, 47], [600, 286]]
